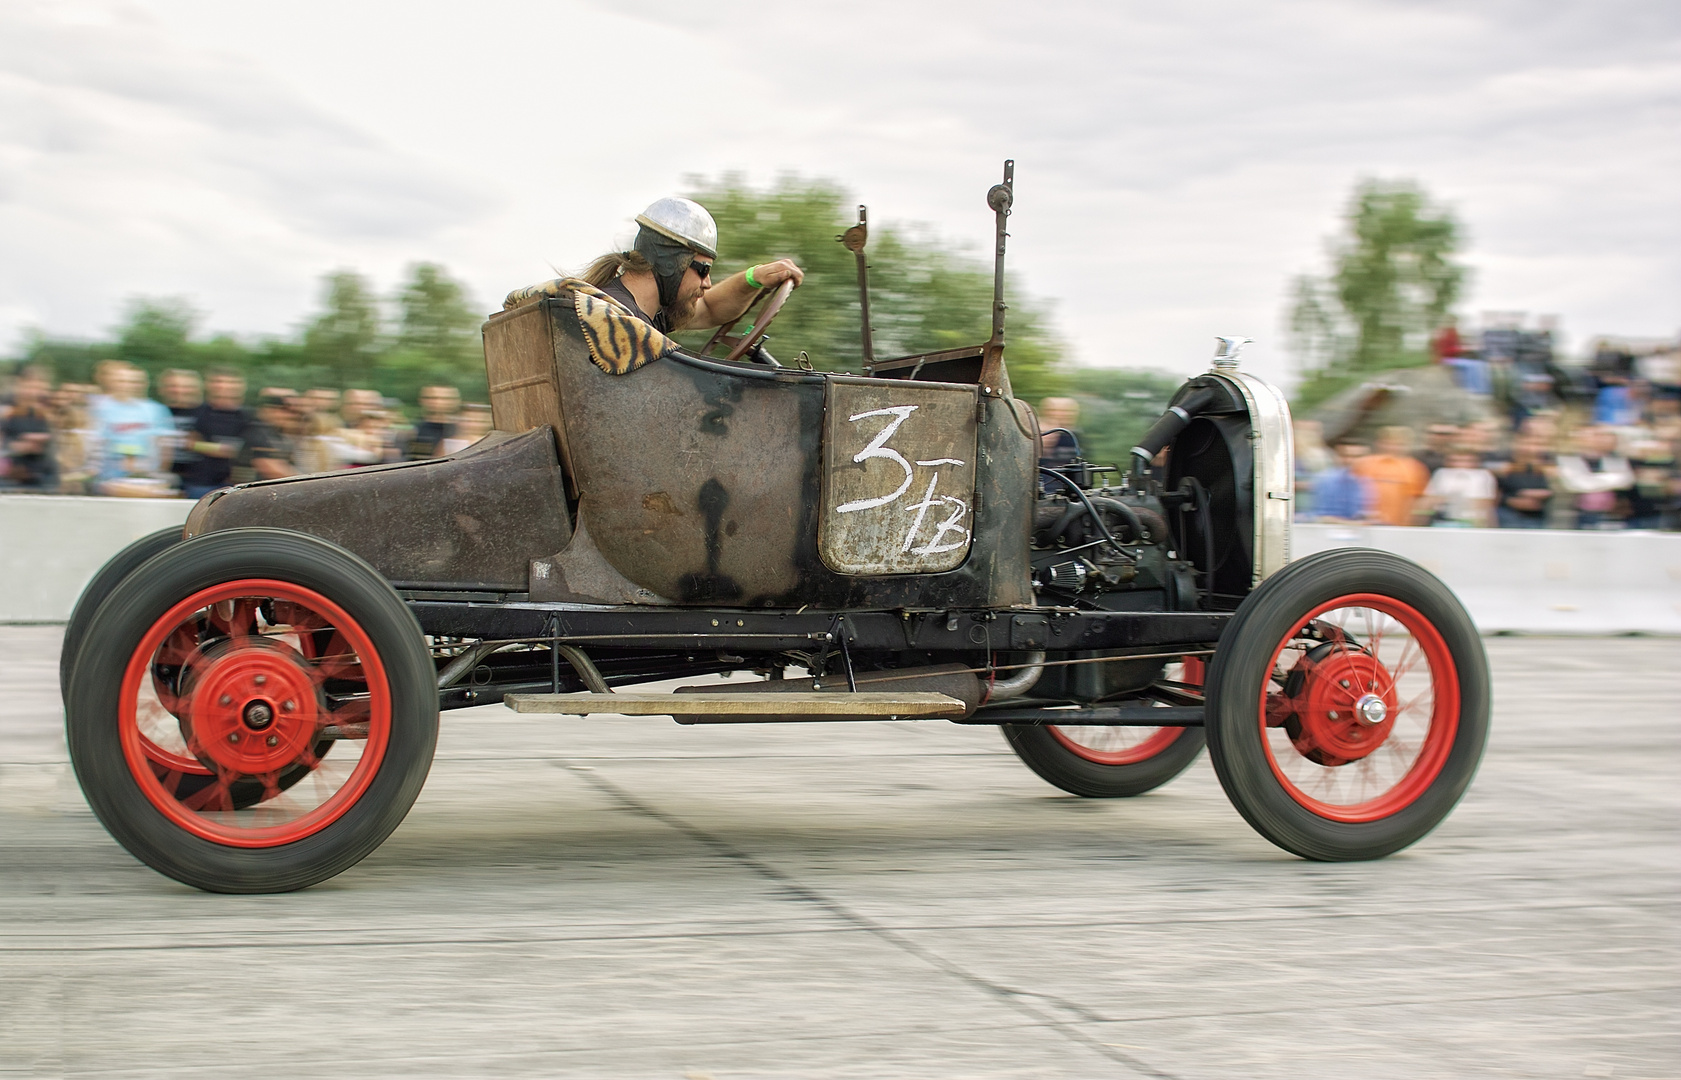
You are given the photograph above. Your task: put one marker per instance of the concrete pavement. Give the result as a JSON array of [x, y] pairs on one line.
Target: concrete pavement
[[631, 898]]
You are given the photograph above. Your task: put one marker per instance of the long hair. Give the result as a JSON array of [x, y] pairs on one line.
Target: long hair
[[610, 266], [607, 268]]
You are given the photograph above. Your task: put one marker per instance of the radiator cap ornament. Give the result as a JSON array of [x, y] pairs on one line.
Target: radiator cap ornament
[[1225, 353]]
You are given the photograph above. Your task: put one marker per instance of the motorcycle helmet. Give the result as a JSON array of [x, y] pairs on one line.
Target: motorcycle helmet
[[673, 231]]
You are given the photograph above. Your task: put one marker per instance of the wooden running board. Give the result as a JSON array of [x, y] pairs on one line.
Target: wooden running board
[[762, 708]]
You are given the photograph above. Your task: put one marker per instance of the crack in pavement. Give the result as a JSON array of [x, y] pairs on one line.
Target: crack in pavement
[[1018, 1000]]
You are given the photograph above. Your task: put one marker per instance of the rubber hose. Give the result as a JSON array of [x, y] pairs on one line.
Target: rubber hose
[[1124, 511], [1171, 423]]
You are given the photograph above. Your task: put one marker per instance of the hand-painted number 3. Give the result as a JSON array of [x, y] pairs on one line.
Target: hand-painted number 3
[[878, 448]]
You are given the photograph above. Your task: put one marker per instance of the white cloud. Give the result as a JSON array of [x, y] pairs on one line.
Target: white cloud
[[1177, 165], [131, 164]]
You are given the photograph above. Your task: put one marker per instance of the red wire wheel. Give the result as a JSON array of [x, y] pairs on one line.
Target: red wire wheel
[[1348, 705], [252, 710], [1360, 714], [236, 694], [1128, 745], [1105, 762]]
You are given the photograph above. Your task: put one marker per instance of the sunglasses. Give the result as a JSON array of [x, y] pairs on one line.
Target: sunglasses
[[703, 270]]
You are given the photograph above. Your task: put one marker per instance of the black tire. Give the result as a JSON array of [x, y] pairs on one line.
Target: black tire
[[376, 798], [1252, 755], [1062, 766], [108, 577], [116, 569], [120, 566]]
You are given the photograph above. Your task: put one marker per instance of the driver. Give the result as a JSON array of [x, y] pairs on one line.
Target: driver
[[665, 279]]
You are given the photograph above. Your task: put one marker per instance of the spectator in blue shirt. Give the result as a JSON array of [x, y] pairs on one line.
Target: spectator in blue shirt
[[133, 431], [1341, 496]]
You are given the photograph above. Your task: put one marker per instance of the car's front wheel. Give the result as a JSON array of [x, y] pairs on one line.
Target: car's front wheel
[[1348, 705]]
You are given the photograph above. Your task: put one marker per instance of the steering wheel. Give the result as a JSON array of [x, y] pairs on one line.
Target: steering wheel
[[740, 344]]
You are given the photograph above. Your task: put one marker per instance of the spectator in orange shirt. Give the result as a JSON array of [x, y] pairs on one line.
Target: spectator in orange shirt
[[1396, 476]]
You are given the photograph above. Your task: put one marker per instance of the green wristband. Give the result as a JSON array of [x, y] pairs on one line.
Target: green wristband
[[750, 281]]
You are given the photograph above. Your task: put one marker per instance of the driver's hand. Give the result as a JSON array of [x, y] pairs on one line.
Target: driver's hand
[[772, 274]]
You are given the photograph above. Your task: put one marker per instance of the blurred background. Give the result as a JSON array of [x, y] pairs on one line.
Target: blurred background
[[247, 240], [1454, 219]]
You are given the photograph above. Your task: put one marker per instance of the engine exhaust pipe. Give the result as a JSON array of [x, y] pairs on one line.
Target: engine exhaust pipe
[[1019, 683]]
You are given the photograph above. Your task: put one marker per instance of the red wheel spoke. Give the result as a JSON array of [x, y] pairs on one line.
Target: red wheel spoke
[[1404, 665], [1325, 781], [340, 666], [335, 661], [349, 720], [1368, 776], [214, 796], [1115, 745], [1399, 747], [349, 710], [170, 702], [254, 708], [1348, 757], [179, 647], [235, 618], [1422, 694]]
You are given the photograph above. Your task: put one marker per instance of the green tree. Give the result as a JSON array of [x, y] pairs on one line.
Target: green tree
[[1117, 405], [437, 338], [345, 340], [1393, 282], [437, 320], [156, 334], [68, 360], [924, 294]]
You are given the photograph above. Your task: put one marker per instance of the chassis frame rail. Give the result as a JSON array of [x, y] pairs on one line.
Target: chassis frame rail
[[1101, 716], [1011, 629]]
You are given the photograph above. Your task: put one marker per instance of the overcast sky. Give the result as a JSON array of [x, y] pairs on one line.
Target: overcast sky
[[1177, 164]]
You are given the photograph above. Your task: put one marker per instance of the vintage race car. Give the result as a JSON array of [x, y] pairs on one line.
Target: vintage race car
[[252, 702]]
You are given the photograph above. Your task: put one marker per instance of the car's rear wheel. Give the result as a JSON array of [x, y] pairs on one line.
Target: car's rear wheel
[[1110, 762], [1348, 705], [118, 567], [255, 713], [193, 776]]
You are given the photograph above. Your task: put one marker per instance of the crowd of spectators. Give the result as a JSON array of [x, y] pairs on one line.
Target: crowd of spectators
[[1606, 459], [202, 433], [1602, 458], [1590, 448]]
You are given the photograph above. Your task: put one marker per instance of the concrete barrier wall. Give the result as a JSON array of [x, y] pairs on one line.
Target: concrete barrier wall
[[1536, 580], [50, 545], [1510, 579]]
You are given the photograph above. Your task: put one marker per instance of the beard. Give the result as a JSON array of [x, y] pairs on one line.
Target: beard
[[678, 314]]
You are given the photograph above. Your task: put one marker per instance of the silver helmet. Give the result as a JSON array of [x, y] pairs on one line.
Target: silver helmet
[[684, 221]]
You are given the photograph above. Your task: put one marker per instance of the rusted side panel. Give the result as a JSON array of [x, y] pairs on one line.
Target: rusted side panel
[[475, 519], [701, 483], [898, 477], [692, 481], [1008, 480]]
